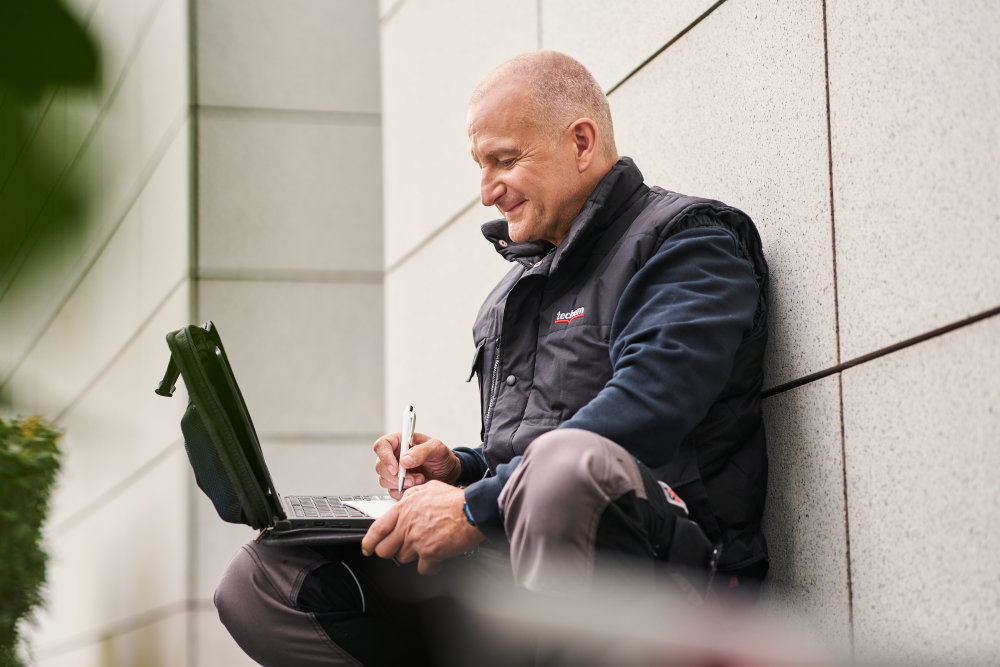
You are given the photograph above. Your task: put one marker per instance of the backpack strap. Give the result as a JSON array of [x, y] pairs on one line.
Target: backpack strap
[[168, 384]]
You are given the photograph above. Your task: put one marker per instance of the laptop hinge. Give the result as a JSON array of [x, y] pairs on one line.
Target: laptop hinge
[[280, 504]]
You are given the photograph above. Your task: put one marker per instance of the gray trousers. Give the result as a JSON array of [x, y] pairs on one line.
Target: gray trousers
[[576, 499]]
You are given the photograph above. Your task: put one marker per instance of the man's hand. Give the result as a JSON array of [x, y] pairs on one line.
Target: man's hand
[[428, 524], [427, 458]]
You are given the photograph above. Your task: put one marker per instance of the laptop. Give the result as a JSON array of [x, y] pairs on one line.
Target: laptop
[[228, 462]]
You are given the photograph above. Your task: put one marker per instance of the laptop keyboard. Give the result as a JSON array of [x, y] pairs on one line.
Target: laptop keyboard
[[326, 507]]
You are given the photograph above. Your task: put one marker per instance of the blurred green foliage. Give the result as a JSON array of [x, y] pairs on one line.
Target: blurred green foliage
[[29, 463], [43, 49], [42, 44]]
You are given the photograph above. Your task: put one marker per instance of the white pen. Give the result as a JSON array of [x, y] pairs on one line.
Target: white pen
[[409, 422]]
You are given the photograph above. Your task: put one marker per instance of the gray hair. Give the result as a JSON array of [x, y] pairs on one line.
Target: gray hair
[[560, 90]]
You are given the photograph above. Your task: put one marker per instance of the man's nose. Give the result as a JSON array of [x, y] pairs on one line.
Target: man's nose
[[490, 187]]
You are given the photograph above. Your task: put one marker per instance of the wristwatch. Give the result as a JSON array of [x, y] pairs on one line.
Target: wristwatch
[[468, 514]]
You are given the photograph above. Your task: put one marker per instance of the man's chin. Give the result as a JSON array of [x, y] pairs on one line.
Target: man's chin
[[516, 232], [518, 238], [520, 230]]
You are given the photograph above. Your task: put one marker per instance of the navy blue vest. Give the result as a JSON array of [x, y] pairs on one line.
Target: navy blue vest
[[522, 333]]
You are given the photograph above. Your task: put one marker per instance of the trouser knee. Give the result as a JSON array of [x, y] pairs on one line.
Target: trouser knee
[[562, 467], [236, 599], [554, 501], [248, 602], [257, 600]]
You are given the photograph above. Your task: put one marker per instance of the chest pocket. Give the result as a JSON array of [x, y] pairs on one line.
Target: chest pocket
[[571, 367]]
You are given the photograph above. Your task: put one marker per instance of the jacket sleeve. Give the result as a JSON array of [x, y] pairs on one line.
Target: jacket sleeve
[[482, 493], [474, 464], [673, 340], [483, 498]]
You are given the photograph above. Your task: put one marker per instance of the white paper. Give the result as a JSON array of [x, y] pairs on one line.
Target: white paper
[[375, 508]]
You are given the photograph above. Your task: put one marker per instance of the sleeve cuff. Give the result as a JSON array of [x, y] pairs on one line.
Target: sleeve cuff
[[482, 499], [473, 465]]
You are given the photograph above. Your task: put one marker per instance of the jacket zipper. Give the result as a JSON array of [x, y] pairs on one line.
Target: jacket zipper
[[494, 385]]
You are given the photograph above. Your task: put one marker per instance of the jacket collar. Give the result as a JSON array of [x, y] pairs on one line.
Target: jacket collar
[[612, 192]]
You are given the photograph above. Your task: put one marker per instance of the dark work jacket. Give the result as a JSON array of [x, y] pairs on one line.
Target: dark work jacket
[[646, 325]]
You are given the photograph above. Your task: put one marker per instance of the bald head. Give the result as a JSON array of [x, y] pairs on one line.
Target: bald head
[[557, 91], [540, 130]]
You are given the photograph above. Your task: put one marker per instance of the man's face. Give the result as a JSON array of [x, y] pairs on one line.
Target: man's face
[[530, 176]]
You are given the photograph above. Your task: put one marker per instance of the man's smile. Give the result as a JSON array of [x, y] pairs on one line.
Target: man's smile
[[507, 212]]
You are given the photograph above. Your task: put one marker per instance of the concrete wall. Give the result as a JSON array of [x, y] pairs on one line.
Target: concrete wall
[[229, 169], [862, 139], [289, 248]]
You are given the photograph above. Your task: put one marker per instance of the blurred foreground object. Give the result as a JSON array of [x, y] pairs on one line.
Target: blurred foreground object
[[42, 44], [630, 621], [29, 463], [44, 51]]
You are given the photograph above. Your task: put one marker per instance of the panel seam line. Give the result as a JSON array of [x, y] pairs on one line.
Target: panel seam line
[[666, 46], [889, 349]]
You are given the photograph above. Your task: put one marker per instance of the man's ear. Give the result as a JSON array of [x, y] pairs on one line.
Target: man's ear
[[584, 134]]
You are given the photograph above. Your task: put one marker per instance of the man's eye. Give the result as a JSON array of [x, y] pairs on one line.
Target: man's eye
[[507, 163]]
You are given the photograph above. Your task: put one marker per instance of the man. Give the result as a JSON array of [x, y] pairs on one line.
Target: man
[[620, 368]]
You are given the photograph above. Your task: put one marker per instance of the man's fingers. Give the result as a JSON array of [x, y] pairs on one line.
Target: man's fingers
[[416, 455], [390, 544], [389, 483], [405, 553], [391, 486], [378, 531], [385, 450]]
